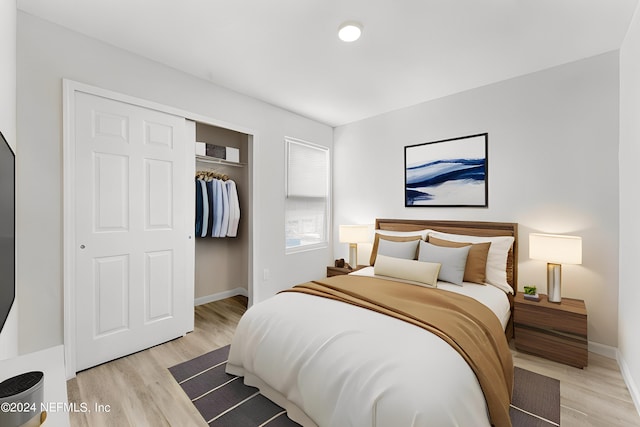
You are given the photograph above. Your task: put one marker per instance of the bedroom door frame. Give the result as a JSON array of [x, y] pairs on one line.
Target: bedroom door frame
[[70, 88]]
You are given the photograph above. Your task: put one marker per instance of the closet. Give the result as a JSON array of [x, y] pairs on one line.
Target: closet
[[133, 266], [222, 263]]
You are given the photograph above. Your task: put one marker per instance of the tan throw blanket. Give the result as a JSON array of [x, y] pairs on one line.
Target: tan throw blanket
[[467, 325]]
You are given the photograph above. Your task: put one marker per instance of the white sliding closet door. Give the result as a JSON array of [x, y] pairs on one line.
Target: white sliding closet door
[[133, 236]]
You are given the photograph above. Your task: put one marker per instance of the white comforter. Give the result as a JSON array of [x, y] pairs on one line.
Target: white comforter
[[333, 364]]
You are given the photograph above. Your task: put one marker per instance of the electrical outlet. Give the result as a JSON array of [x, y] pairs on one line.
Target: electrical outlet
[[266, 274]]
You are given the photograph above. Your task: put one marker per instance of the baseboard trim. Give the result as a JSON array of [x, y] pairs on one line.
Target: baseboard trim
[[614, 353], [221, 295], [603, 350], [634, 391]]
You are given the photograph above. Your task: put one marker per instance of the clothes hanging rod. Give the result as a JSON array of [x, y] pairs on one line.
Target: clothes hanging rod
[[213, 160]]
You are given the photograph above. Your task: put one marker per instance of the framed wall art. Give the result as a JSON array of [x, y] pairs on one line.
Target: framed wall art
[[450, 172]]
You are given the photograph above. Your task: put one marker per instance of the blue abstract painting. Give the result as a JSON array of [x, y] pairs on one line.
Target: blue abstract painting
[[451, 172]]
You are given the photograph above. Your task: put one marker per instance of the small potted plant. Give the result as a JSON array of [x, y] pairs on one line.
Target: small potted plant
[[531, 293]]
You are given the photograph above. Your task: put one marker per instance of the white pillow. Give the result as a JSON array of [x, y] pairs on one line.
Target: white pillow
[[453, 260], [422, 233], [424, 273], [405, 250], [496, 259]]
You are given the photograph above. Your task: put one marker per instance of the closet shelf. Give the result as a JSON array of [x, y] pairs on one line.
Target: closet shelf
[[213, 160]]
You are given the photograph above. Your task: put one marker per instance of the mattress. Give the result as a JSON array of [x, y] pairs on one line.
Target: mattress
[[337, 365]]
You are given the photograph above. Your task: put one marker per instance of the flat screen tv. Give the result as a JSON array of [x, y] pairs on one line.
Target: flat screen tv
[[7, 229]]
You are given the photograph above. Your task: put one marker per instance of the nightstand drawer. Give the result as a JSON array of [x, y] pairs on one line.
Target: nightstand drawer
[[338, 271], [551, 318], [571, 350]]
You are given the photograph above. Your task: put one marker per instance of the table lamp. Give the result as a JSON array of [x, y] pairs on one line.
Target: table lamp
[[354, 234], [556, 250]]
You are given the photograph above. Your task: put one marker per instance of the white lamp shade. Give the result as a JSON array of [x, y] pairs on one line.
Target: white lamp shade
[[554, 248], [354, 234]]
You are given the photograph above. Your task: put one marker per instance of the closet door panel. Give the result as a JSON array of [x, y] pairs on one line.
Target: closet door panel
[[111, 190], [158, 134], [159, 284], [132, 232], [109, 127], [158, 194], [111, 294]]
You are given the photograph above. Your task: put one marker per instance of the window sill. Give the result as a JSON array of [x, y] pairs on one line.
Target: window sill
[[306, 248]]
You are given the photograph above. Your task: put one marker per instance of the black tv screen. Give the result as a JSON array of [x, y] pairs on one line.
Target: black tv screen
[[7, 230]]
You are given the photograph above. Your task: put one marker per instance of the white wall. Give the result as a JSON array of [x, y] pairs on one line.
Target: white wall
[[629, 301], [9, 335], [553, 167], [46, 54]]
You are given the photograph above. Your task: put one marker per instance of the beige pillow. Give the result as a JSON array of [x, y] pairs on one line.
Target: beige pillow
[[411, 240], [476, 268], [423, 273]]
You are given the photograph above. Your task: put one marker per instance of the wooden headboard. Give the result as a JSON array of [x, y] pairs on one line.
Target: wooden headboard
[[472, 228]]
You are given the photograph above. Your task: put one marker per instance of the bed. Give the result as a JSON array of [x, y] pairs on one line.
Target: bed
[[331, 363]]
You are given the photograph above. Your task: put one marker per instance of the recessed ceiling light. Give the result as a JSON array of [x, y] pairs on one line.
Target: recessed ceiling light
[[350, 31]]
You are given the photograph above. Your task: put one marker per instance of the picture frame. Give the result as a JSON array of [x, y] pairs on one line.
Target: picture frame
[[447, 173]]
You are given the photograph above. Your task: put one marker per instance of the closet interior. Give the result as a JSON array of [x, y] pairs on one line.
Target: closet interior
[[222, 262]]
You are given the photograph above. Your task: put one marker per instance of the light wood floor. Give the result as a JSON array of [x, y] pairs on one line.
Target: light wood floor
[[140, 391]]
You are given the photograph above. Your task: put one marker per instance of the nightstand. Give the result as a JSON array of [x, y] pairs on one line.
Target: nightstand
[[555, 331], [338, 271]]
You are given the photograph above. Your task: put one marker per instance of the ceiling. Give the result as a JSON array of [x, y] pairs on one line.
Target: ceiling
[[286, 52]]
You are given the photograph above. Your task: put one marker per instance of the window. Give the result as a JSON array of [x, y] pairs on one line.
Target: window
[[307, 195]]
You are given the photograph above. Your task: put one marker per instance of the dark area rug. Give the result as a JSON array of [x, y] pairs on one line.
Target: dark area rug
[[535, 401], [224, 401]]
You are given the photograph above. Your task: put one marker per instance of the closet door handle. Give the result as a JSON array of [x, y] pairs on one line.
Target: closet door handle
[[82, 246]]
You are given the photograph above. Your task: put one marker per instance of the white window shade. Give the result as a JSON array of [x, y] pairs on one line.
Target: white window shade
[[307, 170]]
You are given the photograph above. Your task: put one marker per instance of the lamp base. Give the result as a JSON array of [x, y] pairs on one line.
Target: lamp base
[[353, 255], [554, 281]]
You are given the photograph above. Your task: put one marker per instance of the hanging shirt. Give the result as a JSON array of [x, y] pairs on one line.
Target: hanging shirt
[[205, 208], [211, 198], [225, 210], [234, 208], [218, 212], [198, 208]]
